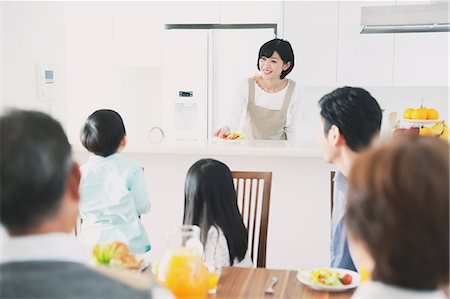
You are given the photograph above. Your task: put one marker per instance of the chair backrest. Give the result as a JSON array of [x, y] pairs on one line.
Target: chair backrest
[[332, 174], [253, 195]]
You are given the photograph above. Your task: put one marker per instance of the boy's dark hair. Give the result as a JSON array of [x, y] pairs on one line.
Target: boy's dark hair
[[283, 48], [35, 159], [355, 112], [103, 132], [398, 206], [210, 200]]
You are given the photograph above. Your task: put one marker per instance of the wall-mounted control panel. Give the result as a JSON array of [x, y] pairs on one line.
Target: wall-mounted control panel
[[46, 83]]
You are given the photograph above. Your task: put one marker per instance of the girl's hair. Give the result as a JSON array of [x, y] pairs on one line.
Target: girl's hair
[[103, 132], [210, 200], [283, 48]]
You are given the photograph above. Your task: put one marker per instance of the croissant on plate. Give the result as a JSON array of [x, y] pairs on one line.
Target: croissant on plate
[[115, 254]]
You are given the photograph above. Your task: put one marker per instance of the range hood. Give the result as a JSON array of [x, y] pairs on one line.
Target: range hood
[[405, 18]]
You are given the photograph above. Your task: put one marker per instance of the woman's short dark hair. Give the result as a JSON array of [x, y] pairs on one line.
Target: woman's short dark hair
[[398, 205], [210, 200], [283, 48], [355, 112], [103, 132], [35, 159]]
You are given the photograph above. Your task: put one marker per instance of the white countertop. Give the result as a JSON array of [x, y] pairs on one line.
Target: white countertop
[[237, 148]]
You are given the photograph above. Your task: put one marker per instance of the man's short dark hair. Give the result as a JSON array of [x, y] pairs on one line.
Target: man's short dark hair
[[35, 159], [283, 48], [355, 112], [103, 132]]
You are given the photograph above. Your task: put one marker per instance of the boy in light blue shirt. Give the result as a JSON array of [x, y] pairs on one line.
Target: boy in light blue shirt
[[113, 189]]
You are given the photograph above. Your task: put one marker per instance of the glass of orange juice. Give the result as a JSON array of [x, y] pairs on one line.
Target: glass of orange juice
[[214, 272]]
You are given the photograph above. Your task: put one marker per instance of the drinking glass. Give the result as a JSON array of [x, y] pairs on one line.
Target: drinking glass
[[214, 272]]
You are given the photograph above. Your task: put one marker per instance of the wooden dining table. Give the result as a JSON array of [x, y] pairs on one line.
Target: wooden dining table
[[251, 283]]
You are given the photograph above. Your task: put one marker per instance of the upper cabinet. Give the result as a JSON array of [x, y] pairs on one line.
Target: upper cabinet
[[247, 12], [401, 59], [222, 12], [191, 12], [421, 59], [138, 31], [311, 28], [362, 59]]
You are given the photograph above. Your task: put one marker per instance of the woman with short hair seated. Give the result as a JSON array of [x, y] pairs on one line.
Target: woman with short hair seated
[[398, 218]]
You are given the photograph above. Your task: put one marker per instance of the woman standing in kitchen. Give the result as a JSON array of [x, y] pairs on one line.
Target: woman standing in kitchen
[[266, 105]]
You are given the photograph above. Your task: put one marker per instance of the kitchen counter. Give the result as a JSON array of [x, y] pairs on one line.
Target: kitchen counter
[[278, 148]]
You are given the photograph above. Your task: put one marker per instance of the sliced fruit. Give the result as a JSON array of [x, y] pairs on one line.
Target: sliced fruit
[[233, 136]]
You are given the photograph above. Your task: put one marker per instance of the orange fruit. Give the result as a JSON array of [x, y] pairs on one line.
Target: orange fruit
[[407, 113], [420, 113], [426, 132], [432, 114]]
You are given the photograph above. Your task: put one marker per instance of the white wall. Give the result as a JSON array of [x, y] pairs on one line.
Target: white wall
[[114, 56], [32, 33]]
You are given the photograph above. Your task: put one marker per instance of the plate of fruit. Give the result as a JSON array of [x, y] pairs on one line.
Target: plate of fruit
[[232, 137], [329, 279], [421, 121], [421, 116]]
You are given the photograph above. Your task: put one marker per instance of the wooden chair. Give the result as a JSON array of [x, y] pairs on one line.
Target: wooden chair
[[77, 228], [253, 195], [332, 174]]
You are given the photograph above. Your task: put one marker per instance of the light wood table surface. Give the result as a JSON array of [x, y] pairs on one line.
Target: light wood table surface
[[250, 283]]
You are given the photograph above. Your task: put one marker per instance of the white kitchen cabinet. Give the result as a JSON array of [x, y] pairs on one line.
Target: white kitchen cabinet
[[191, 12], [362, 59], [96, 80], [138, 33], [185, 84], [311, 28], [402, 59], [89, 56], [245, 12], [421, 59]]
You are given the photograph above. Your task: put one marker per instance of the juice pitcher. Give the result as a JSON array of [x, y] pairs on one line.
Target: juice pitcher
[[182, 270]]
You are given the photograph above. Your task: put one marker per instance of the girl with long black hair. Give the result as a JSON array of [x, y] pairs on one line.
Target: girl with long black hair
[[211, 203]]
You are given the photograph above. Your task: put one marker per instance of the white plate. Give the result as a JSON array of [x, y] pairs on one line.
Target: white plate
[[224, 140], [421, 121], [303, 277]]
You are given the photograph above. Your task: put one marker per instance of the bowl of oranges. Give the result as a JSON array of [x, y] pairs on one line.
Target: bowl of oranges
[[424, 121], [421, 115]]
